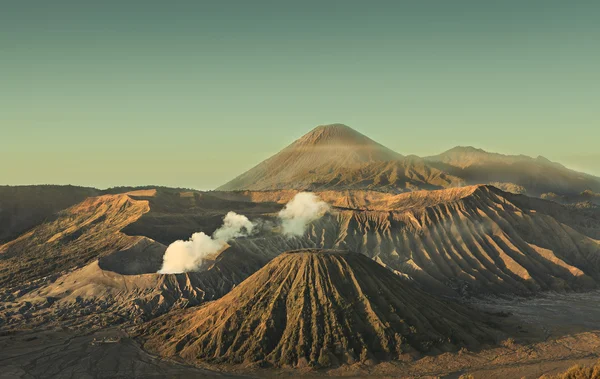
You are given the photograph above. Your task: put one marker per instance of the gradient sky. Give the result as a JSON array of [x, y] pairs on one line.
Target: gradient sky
[[192, 93]]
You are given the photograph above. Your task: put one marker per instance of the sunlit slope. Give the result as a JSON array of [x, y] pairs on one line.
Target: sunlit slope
[[338, 157], [320, 308], [104, 252], [467, 240]]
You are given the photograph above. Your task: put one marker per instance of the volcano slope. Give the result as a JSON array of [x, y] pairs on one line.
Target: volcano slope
[[96, 264], [338, 157], [317, 308], [23, 207], [463, 241], [82, 270], [78, 234], [536, 176]]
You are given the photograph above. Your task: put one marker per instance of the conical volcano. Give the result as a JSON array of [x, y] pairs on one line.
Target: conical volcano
[[320, 308], [338, 157]]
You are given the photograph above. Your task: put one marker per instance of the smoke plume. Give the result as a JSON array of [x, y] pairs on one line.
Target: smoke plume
[[303, 209], [183, 256], [234, 226]]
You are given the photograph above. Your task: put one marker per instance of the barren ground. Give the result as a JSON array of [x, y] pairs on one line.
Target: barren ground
[[552, 333], [62, 354]]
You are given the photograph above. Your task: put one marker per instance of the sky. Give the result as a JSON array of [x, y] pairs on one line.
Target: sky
[[193, 93]]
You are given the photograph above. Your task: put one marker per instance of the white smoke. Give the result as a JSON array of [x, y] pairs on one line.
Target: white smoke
[[183, 256], [303, 209], [234, 226]]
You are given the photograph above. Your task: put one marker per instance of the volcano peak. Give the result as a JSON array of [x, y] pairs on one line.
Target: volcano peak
[[311, 161], [343, 136], [335, 132]]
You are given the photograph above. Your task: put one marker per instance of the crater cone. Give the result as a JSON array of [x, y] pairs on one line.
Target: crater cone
[[319, 308]]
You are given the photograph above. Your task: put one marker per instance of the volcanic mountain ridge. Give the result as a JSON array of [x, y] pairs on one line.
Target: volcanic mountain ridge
[[515, 173], [338, 157], [317, 308], [104, 252]]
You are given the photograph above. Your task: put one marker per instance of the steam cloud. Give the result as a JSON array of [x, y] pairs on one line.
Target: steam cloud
[[303, 209], [183, 256], [234, 226]]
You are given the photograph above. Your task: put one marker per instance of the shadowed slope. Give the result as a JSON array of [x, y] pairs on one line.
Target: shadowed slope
[[585, 200], [23, 207], [80, 234], [317, 307]]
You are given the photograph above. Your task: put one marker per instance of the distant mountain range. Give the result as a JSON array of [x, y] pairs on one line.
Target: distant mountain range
[[515, 173], [336, 157], [381, 276]]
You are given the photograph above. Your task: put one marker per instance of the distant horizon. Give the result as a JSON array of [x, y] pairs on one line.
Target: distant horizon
[[282, 147], [191, 94]]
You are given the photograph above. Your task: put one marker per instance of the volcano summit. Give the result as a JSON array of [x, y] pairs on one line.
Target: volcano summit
[[338, 157]]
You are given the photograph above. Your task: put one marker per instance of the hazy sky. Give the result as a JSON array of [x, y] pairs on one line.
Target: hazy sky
[[192, 93]]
